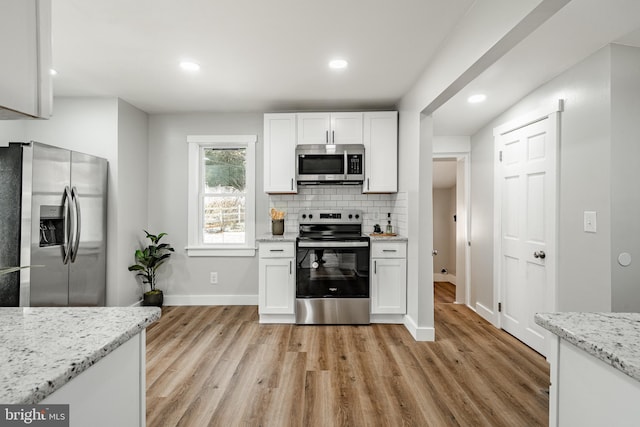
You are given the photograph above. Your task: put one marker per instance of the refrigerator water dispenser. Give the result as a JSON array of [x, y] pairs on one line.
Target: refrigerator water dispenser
[[51, 226]]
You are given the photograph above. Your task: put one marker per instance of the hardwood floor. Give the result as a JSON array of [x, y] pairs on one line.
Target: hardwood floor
[[216, 366]]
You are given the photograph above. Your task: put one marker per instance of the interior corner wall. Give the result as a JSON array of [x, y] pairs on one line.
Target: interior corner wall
[[584, 268], [625, 176], [131, 210], [167, 207]]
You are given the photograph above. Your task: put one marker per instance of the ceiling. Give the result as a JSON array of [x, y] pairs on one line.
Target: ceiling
[[254, 55], [272, 55]]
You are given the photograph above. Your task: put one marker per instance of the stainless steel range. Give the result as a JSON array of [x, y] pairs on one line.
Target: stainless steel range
[[332, 275]]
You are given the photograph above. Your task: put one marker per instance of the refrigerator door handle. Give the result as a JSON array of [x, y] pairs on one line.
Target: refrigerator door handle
[[78, 222], [68, 224]]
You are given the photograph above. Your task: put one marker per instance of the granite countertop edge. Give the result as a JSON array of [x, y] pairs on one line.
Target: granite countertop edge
[[75, 364], [610, 337]]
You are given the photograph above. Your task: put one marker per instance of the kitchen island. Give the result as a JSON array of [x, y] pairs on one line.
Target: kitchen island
[[595, 368], [90, 358]]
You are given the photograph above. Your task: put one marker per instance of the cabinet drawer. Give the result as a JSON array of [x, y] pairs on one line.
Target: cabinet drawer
[[277, 250], [389, 250]]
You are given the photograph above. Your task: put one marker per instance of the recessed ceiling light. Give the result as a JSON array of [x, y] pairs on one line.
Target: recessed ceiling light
[[189, 66], [53, 72], [338, 64], [474, 99]]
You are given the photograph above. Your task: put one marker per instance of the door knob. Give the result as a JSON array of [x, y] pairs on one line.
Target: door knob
[[434, 252], [539, 254]]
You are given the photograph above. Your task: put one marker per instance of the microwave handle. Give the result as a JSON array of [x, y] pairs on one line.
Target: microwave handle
[[346, 164]]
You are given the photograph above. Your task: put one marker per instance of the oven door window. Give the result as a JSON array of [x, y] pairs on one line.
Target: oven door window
[[332, 273], [324, 164]]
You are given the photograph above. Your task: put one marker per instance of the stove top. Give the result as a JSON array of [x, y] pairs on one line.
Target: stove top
[[331, 225]]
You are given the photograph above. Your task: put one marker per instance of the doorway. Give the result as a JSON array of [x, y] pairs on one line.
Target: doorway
[[451, 223]]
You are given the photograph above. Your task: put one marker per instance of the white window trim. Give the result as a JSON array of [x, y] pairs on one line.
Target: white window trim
[[195, 246]]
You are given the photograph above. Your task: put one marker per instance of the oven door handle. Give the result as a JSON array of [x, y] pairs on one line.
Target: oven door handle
[[316, 244]]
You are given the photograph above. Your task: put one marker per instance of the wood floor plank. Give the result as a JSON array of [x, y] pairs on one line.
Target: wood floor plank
[[217, 366]]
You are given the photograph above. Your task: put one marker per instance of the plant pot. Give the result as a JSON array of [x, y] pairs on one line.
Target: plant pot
[[153, 298]]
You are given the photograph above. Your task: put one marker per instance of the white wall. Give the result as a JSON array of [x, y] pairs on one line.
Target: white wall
[[584, 271], [131, 205], [187, 279], [625, 176], [442, 230]]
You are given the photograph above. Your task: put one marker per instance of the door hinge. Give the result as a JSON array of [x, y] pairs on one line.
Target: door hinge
[[501, 155], [499, 307]]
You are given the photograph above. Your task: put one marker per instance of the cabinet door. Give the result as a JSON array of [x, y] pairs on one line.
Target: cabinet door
[[381, 152], [314, 128], [25, 43], [279, 153], [277, 286], [389, 286], [346, 128]]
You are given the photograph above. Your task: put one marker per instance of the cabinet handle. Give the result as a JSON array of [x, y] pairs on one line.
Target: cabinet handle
[[389, 250], [333, 136], [326, 137], [290, 268], [375, 267], [291, 184], [367, 183], [276, 250]]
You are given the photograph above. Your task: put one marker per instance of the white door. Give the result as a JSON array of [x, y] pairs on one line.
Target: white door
[[527, 182]]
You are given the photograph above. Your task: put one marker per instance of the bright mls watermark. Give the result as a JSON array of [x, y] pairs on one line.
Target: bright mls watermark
[[34, 415]]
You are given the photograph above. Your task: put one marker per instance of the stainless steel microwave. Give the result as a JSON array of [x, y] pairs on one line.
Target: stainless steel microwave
[[329, 164]]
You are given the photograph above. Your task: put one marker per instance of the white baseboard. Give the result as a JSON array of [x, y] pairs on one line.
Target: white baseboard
[[211, 299], [487, 314], [419, 333], [387, 318], [439, 277]]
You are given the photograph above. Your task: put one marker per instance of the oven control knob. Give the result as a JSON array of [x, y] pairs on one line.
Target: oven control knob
[[350, 216], [357, 216], [310, 216], [304, 216]]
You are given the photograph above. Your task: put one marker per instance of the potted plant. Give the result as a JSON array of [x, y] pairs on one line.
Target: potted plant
[[147, 262]]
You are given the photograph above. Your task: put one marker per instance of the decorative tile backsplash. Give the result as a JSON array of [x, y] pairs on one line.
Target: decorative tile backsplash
[[374, 206]]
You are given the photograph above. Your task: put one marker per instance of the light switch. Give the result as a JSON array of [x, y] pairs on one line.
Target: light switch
[[590, 225]]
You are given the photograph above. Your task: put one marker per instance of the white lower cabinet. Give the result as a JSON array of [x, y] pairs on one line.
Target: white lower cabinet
[[388, 281], [109, 393], [277, 282]]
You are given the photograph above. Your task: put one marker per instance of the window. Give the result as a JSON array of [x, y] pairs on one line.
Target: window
[[221, 195]]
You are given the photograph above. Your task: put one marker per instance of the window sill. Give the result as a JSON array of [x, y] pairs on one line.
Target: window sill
[[212, 251]]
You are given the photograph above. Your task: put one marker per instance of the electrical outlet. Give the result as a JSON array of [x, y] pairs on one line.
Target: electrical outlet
[[213, 278]]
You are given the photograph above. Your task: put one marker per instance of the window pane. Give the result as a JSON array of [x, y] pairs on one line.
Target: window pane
[[224, 219], [224, 170]]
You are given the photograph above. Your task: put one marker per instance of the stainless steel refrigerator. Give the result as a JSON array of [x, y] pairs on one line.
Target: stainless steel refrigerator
[[53, 211]]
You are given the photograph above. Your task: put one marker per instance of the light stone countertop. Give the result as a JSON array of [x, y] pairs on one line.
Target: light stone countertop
[[398, 238], [43, 348], [286, 237], [613, 338]]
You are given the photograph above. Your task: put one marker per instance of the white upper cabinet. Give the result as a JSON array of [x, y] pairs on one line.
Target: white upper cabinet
[[330, 128], [25, 47], [279, 153], [381, 152]]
